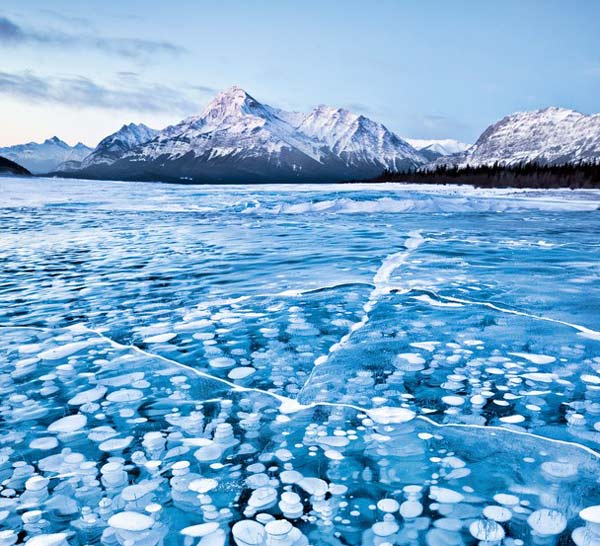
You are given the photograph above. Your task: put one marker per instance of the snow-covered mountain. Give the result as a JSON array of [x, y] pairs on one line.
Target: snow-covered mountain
[[358, 140], [112, 147], [43, 157], [549, 136], [238, 139], [436, 148]]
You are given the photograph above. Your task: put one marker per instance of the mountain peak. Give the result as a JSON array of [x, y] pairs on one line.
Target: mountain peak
[[232, 102], [55, 140], [324, 109]]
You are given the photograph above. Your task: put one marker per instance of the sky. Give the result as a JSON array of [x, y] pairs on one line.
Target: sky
[[424, 68]]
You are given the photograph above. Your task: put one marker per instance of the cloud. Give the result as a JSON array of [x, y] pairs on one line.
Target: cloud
[[360, 108], [12, 34], [205, 89], [80, 91]]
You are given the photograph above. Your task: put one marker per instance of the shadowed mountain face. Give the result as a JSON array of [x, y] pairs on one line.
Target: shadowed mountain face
[[238, 139], [10, 167]]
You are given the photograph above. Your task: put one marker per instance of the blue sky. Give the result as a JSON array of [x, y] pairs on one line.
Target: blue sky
[[426, 69]]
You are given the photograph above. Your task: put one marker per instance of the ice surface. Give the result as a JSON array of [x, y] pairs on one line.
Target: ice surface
[[199, 366]]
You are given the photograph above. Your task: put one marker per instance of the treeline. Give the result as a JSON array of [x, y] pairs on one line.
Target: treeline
[[528, 175]]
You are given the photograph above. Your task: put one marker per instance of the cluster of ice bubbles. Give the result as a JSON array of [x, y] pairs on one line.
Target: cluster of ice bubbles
[[105, 444]]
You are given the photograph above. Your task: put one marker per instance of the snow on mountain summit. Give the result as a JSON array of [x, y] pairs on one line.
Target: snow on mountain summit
[[549, 136], [441, 147], [236, 137], [358, 139], [235, 125], [112, 147]]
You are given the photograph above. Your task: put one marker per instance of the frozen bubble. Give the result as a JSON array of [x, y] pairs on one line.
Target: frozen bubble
[[333, 455], [486, 530], [411, 358], [115, 444], [426, 345], [313, 486], [290, 476], [248, 533], [547, 522], [444, 495], [64, 351], [453, 400], [221, 362], [591, 514], [388, 415], [385, 528], [241, 372], [506, 499], [262, 498], [512, 419], [125, 395], [200, 530], [559, 469], [131, 521], [88, 396], [411, 509], [160, 338], [541, 377], [44, 443], [535, 358], [497, 513], [36, 483], [203, 485], [71, 423], [284, 455], [388, 505], [51, 539], [334, 441]]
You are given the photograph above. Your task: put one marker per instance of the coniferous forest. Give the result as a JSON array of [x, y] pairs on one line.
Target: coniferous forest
[[528, 175]]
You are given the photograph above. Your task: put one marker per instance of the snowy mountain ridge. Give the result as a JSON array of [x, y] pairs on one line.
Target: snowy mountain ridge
[[236, 138], [549, 136], [112, 147], [443, 146], [239, 139], [41, 157]]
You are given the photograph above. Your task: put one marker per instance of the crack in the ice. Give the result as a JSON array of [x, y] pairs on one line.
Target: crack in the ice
[[583, 330], [290, 405], [381, 286]]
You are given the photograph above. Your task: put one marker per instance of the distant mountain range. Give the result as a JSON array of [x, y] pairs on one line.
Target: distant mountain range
[[553, 136], [237, 139], [43, 157], [434, 149]]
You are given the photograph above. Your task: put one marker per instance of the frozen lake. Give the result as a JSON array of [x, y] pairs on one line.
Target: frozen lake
[[336, 364]]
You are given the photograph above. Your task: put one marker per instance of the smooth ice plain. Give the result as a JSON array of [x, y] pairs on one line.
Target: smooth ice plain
[[327, 365]]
